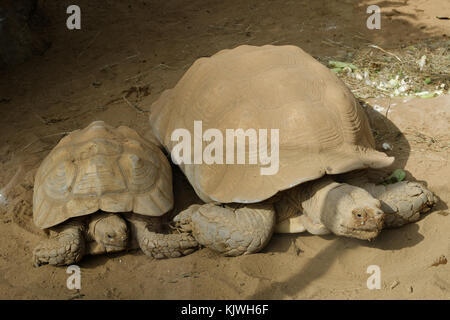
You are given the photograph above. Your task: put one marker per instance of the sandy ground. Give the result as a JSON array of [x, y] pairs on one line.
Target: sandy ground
[[137, 49]]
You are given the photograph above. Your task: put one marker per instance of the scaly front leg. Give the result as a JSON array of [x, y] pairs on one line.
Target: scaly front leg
[[402, 202], [67, 247], [232, 231], [159, 245]]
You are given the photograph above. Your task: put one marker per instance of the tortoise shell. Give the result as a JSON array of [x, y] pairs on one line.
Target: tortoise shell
[[101, 168], [322, 128]]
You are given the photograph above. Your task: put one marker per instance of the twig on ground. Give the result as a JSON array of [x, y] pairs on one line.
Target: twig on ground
[[47, 136], [338, 43], [40, 118], [133, 105], [389, 106], [276, 41], [89, 44], [387, 52]]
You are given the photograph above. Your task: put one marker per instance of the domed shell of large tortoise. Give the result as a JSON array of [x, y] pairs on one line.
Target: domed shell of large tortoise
[[101, 168], [322, 128]]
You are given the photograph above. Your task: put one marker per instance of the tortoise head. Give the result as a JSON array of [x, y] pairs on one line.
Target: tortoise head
[[109, 230], [353, 212]]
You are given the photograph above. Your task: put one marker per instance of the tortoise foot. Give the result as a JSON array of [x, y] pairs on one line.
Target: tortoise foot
[[66, 248], [402, 202], [230, 231]]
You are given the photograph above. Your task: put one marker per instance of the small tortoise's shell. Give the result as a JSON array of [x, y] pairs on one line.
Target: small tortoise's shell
[[322, 128], [101, 168]]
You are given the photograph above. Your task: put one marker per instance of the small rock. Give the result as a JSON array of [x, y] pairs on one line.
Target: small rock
[[386, 146], [441, 260], [378, 108], [422, 62]]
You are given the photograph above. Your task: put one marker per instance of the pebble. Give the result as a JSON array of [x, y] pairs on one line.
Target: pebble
[[441, 260], [378, 108], [386, 146]]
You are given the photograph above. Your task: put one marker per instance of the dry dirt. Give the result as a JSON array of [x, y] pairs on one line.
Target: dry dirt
[[136, 49]]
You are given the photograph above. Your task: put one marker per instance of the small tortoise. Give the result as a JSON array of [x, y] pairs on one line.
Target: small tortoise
[[94, 182], [323, 133]]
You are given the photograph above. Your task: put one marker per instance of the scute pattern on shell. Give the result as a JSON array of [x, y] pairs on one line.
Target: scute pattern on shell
[[101, 168], [322, 128]]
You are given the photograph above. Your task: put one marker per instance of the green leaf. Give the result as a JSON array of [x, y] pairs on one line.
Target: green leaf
[[427, 96], [396, 176], [341, 65], [427, 81]]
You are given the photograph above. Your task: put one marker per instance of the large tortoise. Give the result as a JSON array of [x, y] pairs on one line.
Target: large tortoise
[[323, 132], [91, 184]]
